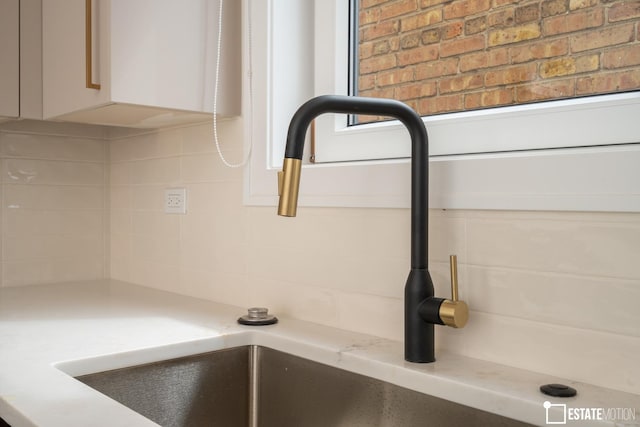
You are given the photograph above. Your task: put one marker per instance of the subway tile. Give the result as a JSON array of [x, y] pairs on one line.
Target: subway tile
[[447, 236], [584, 248], [28, 171], [79, 268], [310, 303], [199, 168], [384, 277], [155, 171], [63, 129], [343, 231], [119, 150], [155, 274], [207, 167], [387, 233], [346, 235], [21, 222], [53, 205], [121, 245], [154, 145], [267, 228], [25, 272], [120, 174], [148, 197], [51, 270], [571, 216], [199, 139], [603, 359], [212, 197], [198, 226], [205, 255], [119, 269], [211, 244], [155, 236], [586, 302], [51, 197], [146, 145], [155, 249], [25, 247], [36, 146], [120, 256], [121, 197], [204, 197], [364, 313], [228, 225], [155, 224], [227, 288]]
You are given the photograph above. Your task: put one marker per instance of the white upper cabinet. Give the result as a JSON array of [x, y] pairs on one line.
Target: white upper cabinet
[[20, 59], [10, 62], [139, 63]]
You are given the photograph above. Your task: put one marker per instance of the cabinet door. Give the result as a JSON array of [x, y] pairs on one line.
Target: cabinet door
[[31, 59], [158, 52], [154, 61], [64, 59], [10, 58]]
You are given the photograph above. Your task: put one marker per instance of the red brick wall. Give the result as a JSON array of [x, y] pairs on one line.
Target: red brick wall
[[453, 55]]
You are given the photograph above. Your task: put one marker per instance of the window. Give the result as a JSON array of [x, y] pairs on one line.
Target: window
[[454, 56], [442, 56], [299, 62]]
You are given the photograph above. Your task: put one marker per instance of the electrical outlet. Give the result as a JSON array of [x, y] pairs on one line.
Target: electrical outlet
[[175, 200]]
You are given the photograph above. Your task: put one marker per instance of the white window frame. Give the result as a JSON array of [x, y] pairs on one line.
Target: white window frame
[[591, 176]]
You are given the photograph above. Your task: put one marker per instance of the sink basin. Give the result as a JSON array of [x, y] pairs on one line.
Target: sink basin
[[261, 387]]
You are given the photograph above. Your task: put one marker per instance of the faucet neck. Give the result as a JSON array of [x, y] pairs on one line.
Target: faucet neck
[[419, 153]]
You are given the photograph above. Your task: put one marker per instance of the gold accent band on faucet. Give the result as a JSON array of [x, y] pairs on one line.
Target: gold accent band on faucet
[[289, 183]]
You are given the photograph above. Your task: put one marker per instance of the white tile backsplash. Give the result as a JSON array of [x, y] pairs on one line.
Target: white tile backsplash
[[39, 146], [558, 299], [52, 197], [563, 245], [554, 292], [54, 205], [605, 359], [154, 171], [52, 172]]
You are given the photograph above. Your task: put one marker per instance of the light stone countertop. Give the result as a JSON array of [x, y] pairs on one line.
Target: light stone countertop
[[49, 333]]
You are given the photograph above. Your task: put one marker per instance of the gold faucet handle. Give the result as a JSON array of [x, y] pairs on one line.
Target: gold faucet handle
[[454, 312]]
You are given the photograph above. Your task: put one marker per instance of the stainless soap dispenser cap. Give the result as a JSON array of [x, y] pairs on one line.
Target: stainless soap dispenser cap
[[258, 316]]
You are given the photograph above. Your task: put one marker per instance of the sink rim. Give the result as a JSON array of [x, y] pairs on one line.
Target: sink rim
[[182, 390], [372, 357]]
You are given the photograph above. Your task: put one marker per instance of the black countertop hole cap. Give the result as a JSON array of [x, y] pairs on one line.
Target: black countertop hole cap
[[558, 390]]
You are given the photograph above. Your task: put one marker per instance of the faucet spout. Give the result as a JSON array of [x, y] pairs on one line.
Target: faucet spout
[[421, 308], [359, 105]]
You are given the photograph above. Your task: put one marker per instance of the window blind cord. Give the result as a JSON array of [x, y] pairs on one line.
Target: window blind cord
[[250, 89]]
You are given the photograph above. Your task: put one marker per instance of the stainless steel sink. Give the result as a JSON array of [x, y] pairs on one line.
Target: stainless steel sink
[[260, 387]]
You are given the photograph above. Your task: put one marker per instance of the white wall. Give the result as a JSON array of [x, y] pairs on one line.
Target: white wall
[[554, 292]]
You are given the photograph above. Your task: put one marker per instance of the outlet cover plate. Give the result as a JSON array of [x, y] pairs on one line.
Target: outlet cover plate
[[175, 200]]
